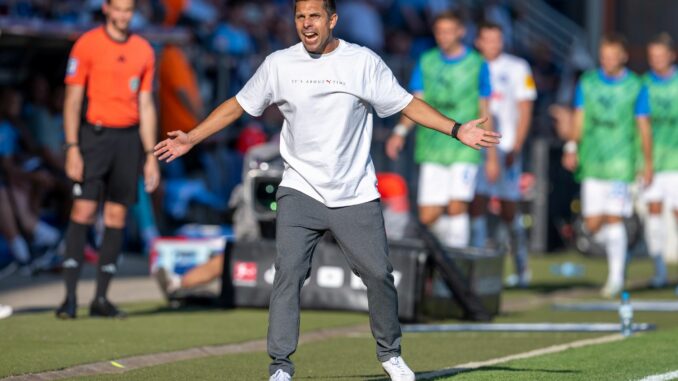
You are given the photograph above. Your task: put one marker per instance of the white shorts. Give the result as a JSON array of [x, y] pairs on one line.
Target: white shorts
[[606, 198], [664, 188], [440, 184]]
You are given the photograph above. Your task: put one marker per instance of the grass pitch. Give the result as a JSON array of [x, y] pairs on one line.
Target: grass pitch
[[38, 342]]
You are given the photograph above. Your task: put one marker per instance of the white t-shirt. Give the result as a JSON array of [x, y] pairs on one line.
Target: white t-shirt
[[512, 82], [327, 102]]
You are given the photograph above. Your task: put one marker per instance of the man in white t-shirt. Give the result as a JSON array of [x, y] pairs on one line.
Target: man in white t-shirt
[[513, 95], [327, 90]]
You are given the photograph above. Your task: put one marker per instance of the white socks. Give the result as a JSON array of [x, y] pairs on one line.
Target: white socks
[[616, 243], [452, 231], [655, 235], [656, 239], [441, 228], [600, 237], [459, 232]]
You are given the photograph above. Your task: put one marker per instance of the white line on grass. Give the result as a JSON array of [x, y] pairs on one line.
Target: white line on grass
[[662, 377], [534, 353]]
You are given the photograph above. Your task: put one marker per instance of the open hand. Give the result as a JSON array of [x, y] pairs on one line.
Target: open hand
[[471, 134], [175, 146]]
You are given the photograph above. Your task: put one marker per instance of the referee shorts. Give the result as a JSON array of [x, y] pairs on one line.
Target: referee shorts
[[112, 163]]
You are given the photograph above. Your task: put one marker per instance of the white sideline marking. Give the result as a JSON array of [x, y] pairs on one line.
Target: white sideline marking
[[662, 377], [533, 353]]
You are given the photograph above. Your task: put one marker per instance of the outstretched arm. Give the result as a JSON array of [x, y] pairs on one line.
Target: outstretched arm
[[179, 142], [396, 141], [470, 133]]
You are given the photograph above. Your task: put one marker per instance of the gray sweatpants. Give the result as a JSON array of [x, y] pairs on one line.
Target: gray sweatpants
[[359, 230]]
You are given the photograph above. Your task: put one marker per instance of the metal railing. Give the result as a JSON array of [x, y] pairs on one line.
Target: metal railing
[[539, 22]]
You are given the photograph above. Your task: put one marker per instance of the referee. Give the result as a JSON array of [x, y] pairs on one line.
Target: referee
[[328, 90], [103, 156]]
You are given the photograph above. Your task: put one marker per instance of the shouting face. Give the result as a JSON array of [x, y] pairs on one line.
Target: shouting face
[[314, 25]]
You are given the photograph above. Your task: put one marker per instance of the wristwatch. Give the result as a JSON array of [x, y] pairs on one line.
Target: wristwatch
[[67, 146], [455, 130]]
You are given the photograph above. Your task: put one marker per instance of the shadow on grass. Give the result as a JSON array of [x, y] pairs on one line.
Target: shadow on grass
[[183, 309], [551, 287], [83, 313], [529, 372], [188, 304], [366, 377], [34, 310], [643, 289]]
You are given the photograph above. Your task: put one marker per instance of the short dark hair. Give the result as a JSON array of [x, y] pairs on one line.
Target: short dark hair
[[615, 39], [330, 6], [449, 16], [663, 39], [487, 25]]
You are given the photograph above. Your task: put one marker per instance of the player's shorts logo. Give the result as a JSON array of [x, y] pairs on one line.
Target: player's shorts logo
[[134, 84], [72, 66]]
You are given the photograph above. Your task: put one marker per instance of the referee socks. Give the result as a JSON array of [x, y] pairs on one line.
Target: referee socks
[[108, 259], [76, 236]]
